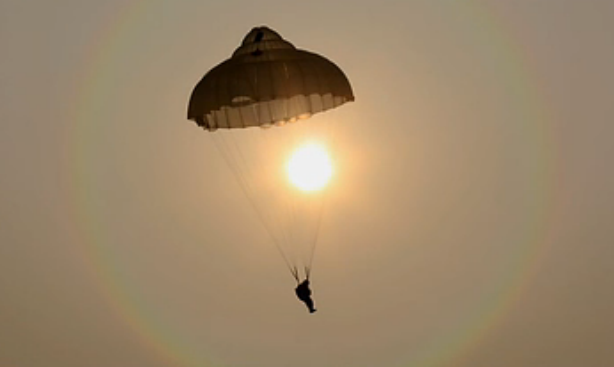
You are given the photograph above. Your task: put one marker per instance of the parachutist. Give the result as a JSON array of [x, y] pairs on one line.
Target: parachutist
[[304, 294]]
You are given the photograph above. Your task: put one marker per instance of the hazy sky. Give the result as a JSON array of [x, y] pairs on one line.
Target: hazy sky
[[471, 224]]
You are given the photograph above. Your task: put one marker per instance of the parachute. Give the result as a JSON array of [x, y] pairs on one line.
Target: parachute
[[254, 105]]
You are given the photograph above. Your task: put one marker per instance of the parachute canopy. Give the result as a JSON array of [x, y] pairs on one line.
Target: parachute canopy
[[267, 81]]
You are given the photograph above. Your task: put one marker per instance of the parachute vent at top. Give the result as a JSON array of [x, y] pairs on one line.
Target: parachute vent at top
[[267, 81]]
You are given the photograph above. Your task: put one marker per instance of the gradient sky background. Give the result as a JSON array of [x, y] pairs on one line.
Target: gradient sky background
[[471, 224]]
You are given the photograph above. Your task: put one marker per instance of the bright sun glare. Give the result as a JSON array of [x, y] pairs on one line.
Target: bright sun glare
[[310, 167]]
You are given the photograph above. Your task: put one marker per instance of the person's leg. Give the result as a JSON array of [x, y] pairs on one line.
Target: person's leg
[[309, 303]]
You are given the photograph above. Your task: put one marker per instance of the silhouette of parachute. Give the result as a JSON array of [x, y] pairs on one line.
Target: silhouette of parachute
[[268, 82]]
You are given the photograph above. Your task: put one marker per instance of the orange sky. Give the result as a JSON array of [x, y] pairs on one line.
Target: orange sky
[[468, 222]]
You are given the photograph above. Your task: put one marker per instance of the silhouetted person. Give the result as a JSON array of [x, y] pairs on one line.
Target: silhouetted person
[[304, 294]]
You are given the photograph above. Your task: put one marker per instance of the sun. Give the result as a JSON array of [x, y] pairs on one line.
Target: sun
[[310, 167]]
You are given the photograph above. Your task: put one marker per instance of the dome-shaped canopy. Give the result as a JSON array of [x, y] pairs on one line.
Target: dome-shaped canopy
[[267, 81]]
